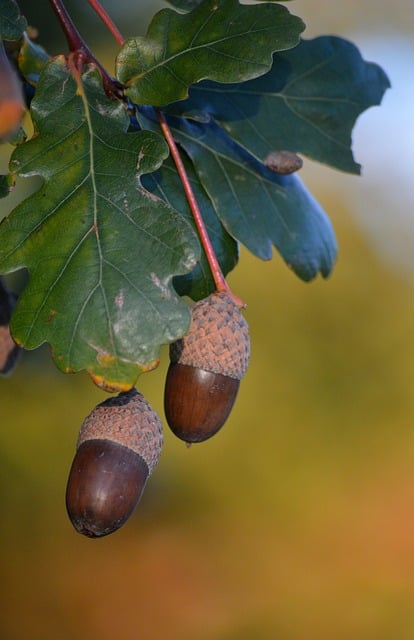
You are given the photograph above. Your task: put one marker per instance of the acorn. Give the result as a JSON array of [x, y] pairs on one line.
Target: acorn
[[118, 448], [206, 367], [283, 161]]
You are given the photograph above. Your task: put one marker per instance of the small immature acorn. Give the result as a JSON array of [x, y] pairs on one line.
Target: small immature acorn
[[283, 161], [118, 448], [206, 367]]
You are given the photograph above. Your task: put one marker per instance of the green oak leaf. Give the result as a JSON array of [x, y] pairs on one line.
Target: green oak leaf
[[18, 137], [6, 184], [258, 207], [220, 39], [12, 23], [32, 60], [308, 102], [101, 250], [166, 184], [188, 5], [185, 5]]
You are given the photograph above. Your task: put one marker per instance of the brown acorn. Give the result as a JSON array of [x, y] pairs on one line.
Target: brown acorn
[[118, 448], [206, 367]]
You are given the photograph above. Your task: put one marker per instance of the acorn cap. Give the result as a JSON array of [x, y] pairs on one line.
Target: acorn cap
[[129, 420], [218, 338]]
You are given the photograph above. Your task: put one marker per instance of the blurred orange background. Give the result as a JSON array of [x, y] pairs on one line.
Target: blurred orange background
[[297, 520]]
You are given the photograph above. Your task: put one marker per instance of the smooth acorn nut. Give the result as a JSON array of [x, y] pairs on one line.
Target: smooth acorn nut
[[198, 402], [118, 448], [206, 367]]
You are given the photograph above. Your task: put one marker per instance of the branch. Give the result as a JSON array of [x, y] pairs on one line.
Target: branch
[[80, 51]]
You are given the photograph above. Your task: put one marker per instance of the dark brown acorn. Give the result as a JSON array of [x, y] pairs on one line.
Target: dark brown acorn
[[118, 448], [206, 367]]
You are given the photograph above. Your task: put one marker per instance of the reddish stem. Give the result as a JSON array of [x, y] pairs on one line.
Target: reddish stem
[[80, 50], [107, 20], [75, 41], [218, 277], [78, 47]]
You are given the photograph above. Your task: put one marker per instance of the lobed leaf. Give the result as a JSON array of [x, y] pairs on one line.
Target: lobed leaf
[[12, 23], [258, 207], [308, 102], [187, 5], [220, 39], [100, 249], [165, 183], [32, 59], [6, 185]]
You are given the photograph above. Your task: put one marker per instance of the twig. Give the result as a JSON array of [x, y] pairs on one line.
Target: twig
[[107, 20], [80, 51]]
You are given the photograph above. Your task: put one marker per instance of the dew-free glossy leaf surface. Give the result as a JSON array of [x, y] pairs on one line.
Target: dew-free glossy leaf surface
[[258, 207], [187, 5], [6, 185], [308, 102], [101, 251], [12, 23], [32, 60], [220, 39], [165, 183]]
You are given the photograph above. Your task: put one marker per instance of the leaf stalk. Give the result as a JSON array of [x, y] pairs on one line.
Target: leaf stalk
[[107, 20], [218, 277], [80, 51], [81, 54]]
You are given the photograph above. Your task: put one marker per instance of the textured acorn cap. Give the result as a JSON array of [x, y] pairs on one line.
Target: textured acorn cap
[[129, 420], [218, 338]]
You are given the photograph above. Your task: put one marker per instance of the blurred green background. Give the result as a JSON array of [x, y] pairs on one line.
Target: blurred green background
[[297, 520]]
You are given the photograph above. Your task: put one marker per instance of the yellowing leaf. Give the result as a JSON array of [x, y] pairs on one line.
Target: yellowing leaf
[[101, 251]]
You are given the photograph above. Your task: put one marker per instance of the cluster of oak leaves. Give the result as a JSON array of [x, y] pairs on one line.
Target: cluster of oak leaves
[[120, 441]]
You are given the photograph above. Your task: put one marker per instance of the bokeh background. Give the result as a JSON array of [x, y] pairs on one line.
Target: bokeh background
[[297, 520]]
